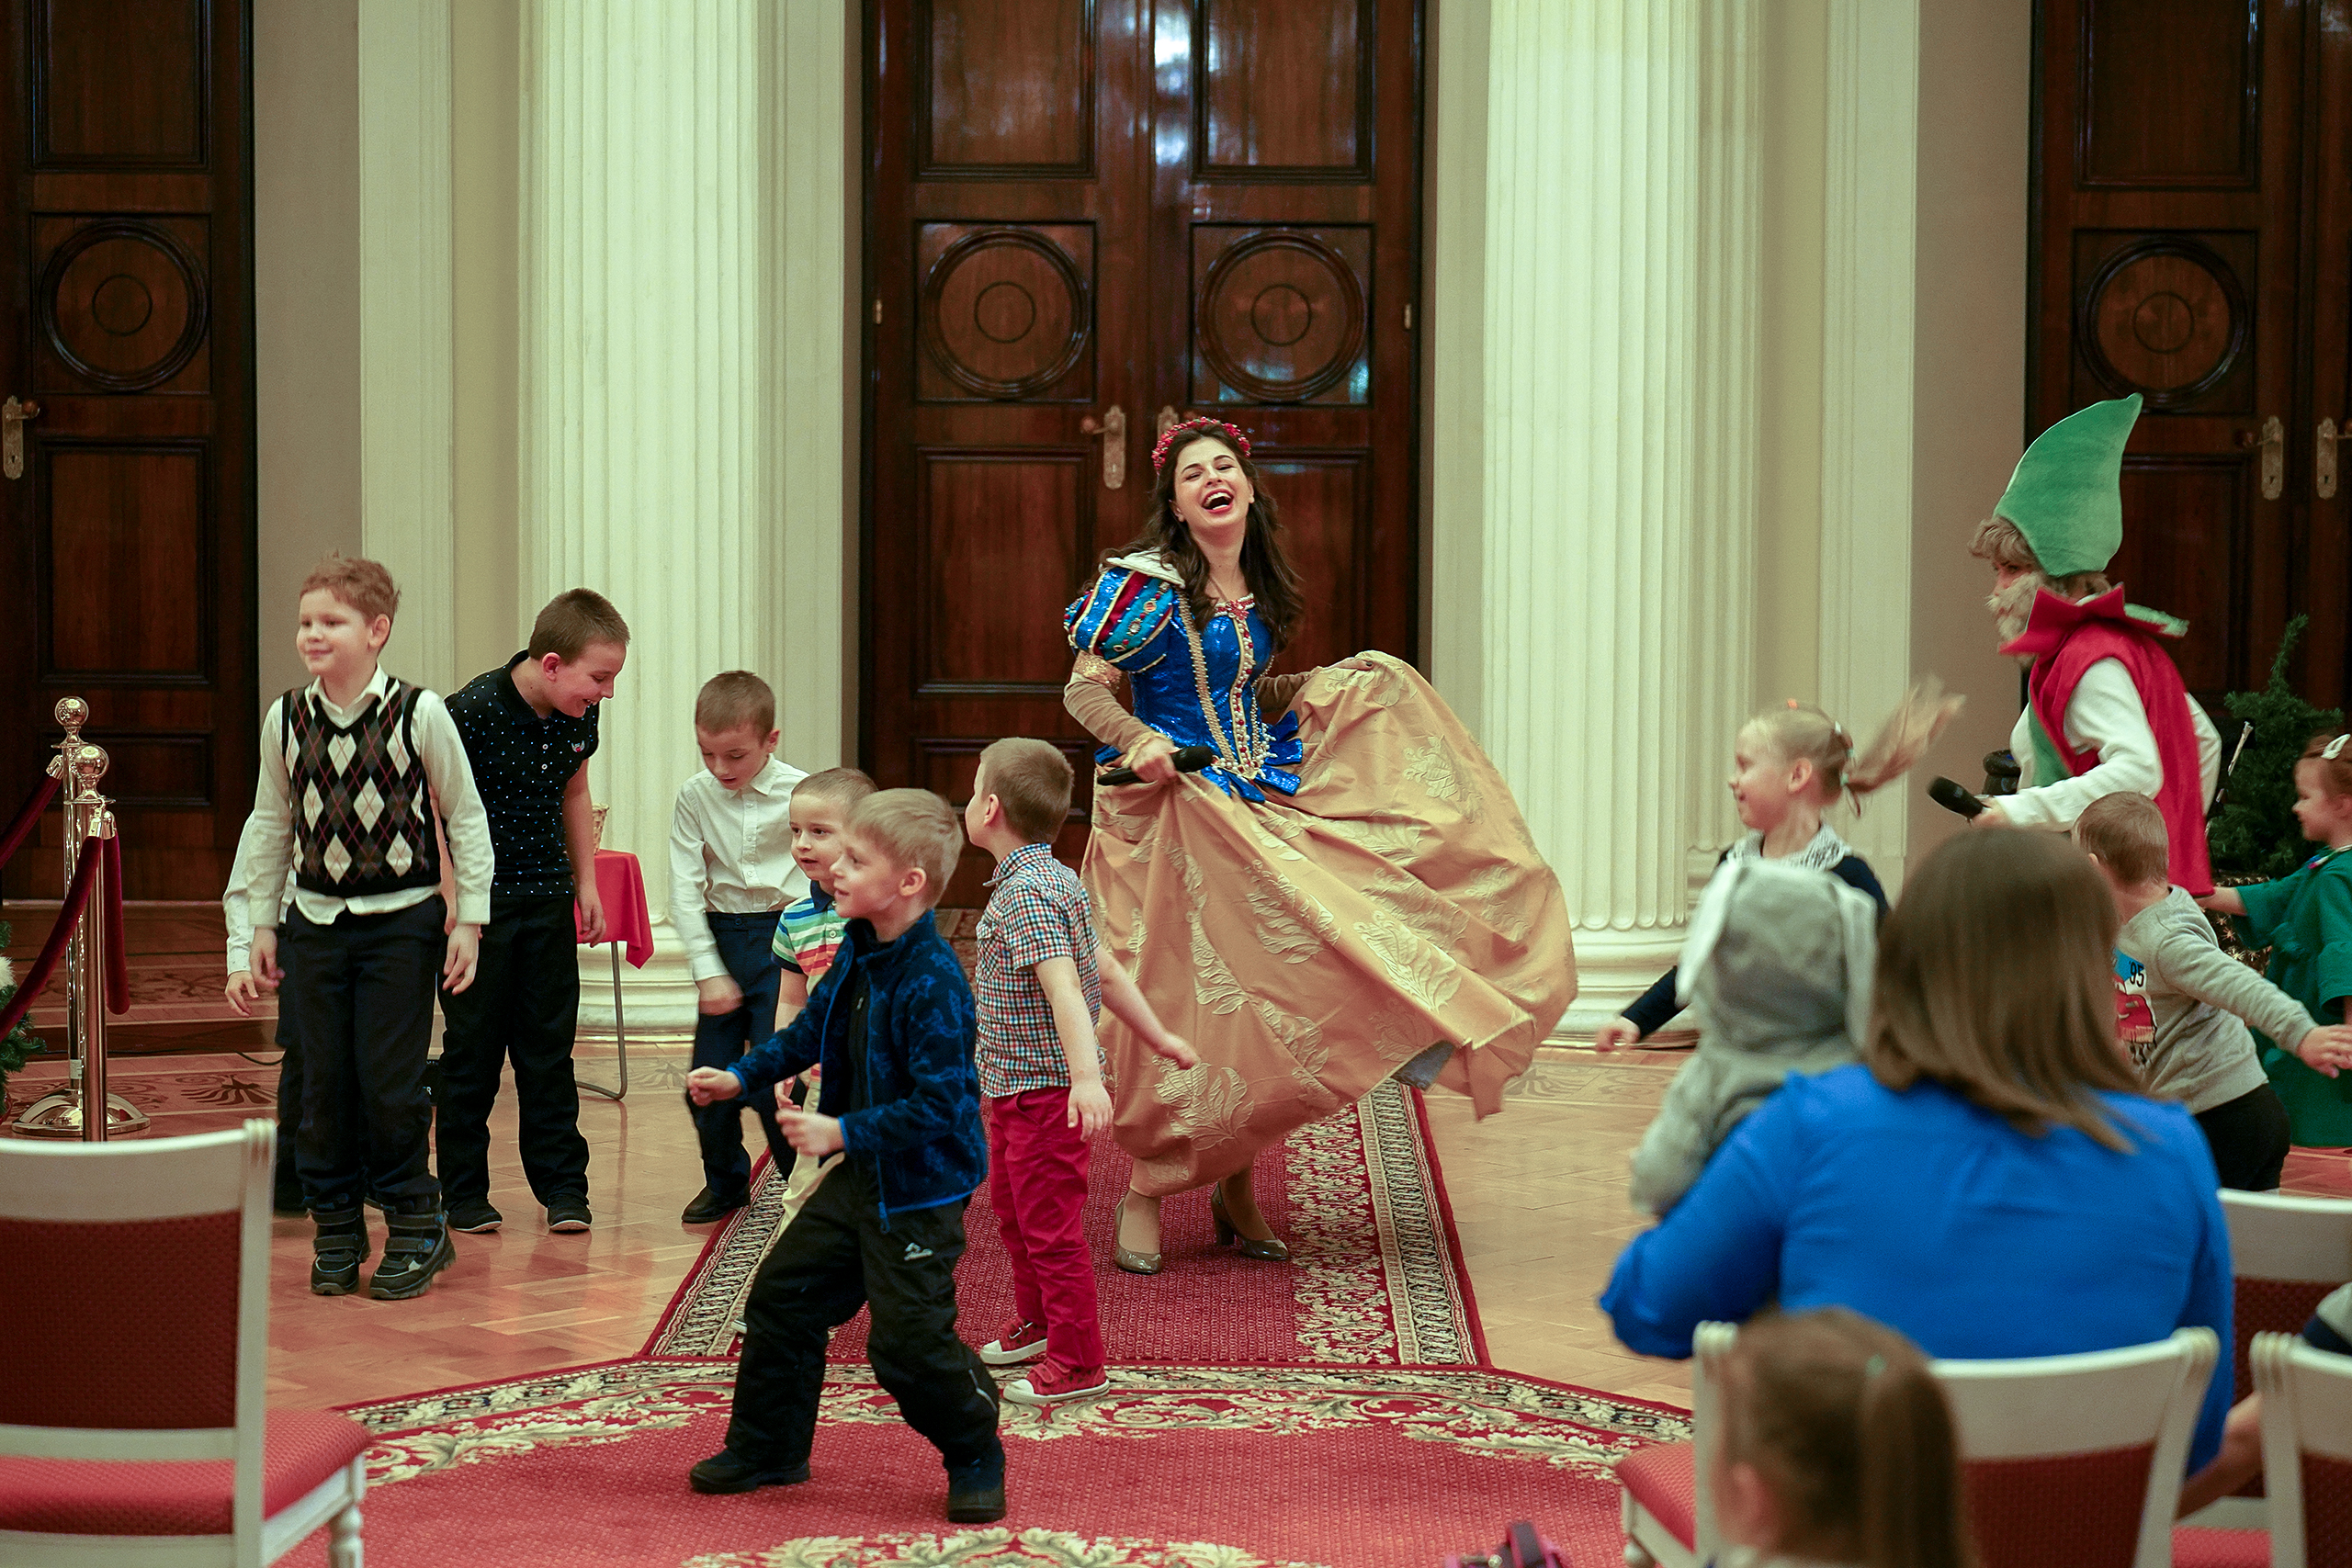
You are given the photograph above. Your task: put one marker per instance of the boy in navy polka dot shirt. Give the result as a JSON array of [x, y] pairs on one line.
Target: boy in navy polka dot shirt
[[530, 729]]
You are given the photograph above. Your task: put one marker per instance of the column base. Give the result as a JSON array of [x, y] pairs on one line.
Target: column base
[[1614, 967]]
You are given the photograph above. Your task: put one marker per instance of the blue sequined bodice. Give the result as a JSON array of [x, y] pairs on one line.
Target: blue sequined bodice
[[1198, 690]]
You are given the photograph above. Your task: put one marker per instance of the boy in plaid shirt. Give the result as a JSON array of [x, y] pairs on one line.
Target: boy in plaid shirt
[[1044, 976]]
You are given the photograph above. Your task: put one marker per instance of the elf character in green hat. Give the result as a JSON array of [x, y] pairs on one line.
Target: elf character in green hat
[[2105, 711]]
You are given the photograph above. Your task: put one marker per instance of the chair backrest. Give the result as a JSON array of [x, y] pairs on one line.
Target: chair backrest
[[2306, 1451], [2073, 1462], [2287, 1253], [2076, 1460], [140, 1273]]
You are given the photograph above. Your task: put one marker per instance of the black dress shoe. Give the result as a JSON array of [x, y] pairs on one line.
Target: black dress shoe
[[569, 1216], [709, 1205], [727, 1471], [975, 1491], [474, 1216]]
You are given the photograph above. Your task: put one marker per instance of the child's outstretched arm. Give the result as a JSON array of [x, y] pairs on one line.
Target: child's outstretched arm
[[2202, 970], [1124, 1000], [2223, 901], [1090, 1103]]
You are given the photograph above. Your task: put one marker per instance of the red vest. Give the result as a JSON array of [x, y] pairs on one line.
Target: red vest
[[2066, 639]]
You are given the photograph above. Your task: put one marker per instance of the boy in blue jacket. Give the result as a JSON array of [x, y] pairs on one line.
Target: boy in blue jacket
[[891, 1023]]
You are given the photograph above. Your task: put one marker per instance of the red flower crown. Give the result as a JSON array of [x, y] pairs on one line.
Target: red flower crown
[[1200, 425]]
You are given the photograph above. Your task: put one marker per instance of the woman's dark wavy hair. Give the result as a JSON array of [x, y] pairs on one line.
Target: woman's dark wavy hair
[[1265, 566]]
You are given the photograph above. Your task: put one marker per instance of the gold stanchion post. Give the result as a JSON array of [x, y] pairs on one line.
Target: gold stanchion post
[[80, 766]]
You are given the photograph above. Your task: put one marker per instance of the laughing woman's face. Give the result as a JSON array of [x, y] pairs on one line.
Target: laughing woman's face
[[1212, 493]]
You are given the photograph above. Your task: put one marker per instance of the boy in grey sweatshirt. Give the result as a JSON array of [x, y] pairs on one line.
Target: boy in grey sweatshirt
[[2182, 1004]]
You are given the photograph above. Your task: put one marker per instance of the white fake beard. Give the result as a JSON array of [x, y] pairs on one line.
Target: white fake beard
[[2012, 606]]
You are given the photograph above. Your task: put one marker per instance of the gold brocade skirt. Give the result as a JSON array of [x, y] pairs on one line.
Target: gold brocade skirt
[[1308, 947]]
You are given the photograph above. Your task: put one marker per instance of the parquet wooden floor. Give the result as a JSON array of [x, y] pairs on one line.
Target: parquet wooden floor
[[1537, 1193]]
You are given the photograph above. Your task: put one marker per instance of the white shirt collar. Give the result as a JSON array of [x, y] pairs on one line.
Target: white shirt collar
[[1153, 564], [378, 686]]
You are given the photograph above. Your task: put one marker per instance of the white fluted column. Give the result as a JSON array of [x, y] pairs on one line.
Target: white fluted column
[[407, 290], [1869, 326], [1618, 512], [644, 382], [687, 383]]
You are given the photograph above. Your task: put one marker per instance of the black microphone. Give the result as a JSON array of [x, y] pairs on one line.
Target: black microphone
[[1188, 760], [1953, 796]]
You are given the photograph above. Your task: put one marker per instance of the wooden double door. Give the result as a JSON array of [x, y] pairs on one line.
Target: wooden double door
[[2192, 242], [1086, 219], [126, 488]]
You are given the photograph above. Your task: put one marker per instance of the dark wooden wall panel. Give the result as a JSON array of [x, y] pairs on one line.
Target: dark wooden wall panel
[[1007, 86], [2171, 91], [1283, 85], [1004, 535], [1007, 311], [124, 541], [1326, 515], [122, 82], [2194, 565]]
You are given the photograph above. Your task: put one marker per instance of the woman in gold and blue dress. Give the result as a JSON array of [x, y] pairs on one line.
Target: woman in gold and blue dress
[[1346, 893]]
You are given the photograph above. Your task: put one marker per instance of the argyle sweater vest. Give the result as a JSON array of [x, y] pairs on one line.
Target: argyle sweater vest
[[363, 811]]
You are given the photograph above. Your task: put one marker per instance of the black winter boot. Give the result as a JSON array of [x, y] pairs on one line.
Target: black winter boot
[[416, 1247], [338, 1251]]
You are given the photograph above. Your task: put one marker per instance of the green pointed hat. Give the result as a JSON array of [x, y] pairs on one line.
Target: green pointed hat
[[2065, 497]]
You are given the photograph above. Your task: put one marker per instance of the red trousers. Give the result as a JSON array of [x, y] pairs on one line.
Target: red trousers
[[1037, 1184]]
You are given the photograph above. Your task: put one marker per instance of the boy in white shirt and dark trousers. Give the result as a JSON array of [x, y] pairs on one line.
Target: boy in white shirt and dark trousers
[[353, 767], [731, 871]]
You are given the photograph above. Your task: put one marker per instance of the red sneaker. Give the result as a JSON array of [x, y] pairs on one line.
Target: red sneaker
[[1052, 1384], [1021, 1341]]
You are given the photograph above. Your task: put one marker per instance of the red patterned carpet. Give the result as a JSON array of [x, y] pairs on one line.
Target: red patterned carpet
[[1330, 1413], [1178, 1468], [1375, 1278]]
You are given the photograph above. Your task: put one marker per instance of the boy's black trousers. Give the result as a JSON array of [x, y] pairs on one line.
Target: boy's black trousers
[[358, 1001], [829, 1262], [746, 946], [524, 1005]]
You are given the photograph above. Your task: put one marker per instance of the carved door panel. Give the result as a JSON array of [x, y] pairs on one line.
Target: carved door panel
[[2173, 250], [1285, 208], [126, 568], [1079, 213]]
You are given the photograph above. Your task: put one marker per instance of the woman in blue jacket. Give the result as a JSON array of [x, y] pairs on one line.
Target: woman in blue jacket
[[1988, 1180]]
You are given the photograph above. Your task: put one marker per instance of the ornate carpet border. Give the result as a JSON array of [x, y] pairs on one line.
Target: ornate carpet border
[[1493, 1414], [1369, 1170]]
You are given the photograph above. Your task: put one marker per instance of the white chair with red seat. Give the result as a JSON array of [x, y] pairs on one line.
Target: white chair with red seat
[[138, 1274], [2073, 1461], [2306, 1451]]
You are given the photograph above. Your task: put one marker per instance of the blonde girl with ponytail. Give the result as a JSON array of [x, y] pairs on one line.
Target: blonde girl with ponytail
[[1837, 1449], [1790, 765]]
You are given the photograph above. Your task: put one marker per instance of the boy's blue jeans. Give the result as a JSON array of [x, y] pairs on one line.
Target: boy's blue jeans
[[745, 947]]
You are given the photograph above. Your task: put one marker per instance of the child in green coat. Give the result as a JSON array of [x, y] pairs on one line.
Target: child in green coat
[[2306, 921]]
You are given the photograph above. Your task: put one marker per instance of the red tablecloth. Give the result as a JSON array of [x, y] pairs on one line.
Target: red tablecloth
[[620, 883]]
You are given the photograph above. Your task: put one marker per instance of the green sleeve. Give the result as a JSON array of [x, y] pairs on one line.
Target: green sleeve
[[2267, 904]]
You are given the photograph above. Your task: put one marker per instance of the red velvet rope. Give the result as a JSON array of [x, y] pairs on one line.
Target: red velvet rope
[[118, 955], [77, 899], [22, 827]]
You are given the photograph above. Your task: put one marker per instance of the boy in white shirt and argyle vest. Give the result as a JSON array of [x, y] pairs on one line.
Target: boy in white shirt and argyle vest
[[353, 767]]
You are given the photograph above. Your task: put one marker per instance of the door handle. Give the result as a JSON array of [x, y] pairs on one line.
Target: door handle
[[1113, 428], [1166, 423], [13, 415], [2274, 458], [2324, 460]]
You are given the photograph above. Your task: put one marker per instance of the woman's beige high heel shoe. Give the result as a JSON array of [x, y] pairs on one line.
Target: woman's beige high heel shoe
[[1266, 1249], [1133, 1262]]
